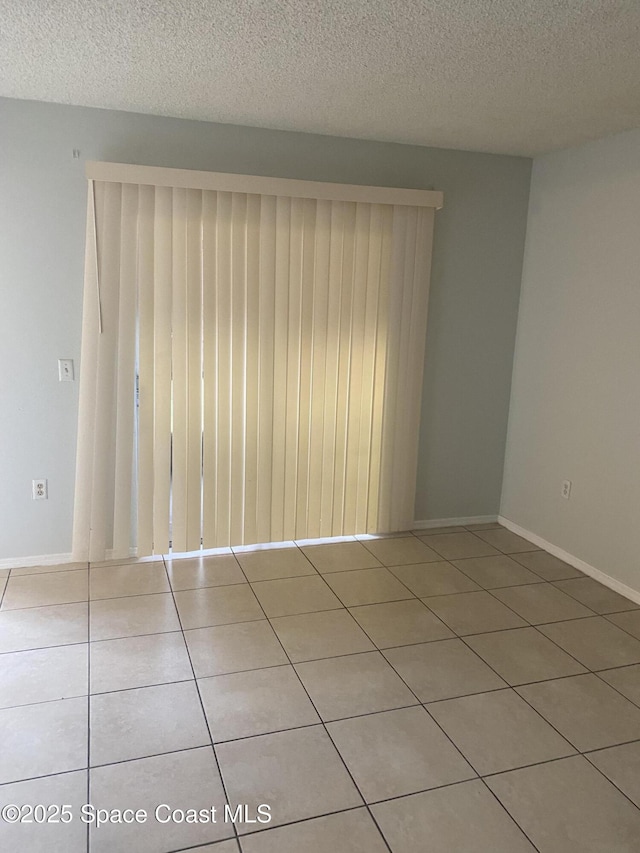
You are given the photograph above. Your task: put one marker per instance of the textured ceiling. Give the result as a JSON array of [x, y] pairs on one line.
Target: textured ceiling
[[514, 76]]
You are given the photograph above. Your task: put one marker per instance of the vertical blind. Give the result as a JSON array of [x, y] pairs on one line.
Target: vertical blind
[[277, 344]]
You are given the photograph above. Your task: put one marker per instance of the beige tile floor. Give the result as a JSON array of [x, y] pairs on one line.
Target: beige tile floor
[[450, 691]]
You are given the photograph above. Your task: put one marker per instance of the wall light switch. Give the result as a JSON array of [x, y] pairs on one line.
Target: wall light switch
[[65, 370]]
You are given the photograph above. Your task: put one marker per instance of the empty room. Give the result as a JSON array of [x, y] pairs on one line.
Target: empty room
[[320, 426]]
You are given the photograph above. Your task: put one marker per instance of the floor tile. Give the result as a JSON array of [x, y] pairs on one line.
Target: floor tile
[[455, 546], [464, 818], [298, 773], [473, 612], [523, 655], [58, 625], [217, 605], [46, 589], [498, 731], [398, 623], [595, 595], [347, 832], [548, 567], [320, 635], [493, 572], [196, 572], [340, 557], [43, 675], [595, 642], [506, 541], [146, 721], [354, 684], [367, 586], [397, 752], [621, 764], [3, 584], [625, 680], [442, 670], [180, 779], [274, 563], [245, 704], [111, 618], [232, 648], [485, 525], [69, 789], [292, 596], [434, 579], [629, 622], [37, 740], [569, 807], [139, 662], [44, 570], [401, 551], [585, 710], [541, 602], [135, 579]]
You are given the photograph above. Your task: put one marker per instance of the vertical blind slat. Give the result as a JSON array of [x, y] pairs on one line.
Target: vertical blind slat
[[209, 368], [161, 367], [374, 523], [146, 429], [318, 365], [280, 365], [340, 493], [109, 207], [293, 345], [87, 409], [179, 371], [266, 367], [251, 357], [238, 363], [332, 348], [223, 333], [125, 399], [306, 358], [193, 521], [369, 332], [363, 238]]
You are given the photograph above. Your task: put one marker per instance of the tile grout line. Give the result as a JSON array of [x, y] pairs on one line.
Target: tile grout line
[[376, 650], [565, 738], [450, 739], [615, 624], [322, 723], [202, 708], [535, 627], [88, 841]]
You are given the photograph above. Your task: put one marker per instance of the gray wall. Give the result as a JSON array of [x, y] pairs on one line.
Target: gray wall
[[479, 241], [575, 409]]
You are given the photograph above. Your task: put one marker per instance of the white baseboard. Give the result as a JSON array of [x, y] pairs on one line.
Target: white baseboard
[[428, 523], [576, 562], [55, 560], [41, 560]]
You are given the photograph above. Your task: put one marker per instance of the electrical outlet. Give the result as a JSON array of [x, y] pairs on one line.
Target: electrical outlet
[[65, 369], [566, 489], [40, 490]]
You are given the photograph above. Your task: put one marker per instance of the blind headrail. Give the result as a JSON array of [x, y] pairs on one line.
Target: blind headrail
[[125, 173]]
